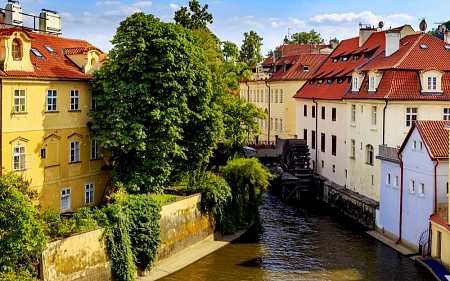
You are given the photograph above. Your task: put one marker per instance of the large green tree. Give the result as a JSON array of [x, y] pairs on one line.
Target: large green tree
[[251, 48], [155, 111], [230, 51], [311, 37], [193, 17], [22, 238]]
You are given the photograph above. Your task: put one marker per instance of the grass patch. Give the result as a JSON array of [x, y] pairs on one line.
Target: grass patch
[[165, 199]]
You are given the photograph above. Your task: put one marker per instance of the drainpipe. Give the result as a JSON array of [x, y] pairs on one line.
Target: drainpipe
[[401, 200], [384, 121], [248, 100], [317, 134], [268, 118], [435, 186]]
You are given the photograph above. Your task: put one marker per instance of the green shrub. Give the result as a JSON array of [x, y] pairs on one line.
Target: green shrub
[[17, 276], [22, 238], [248, 178]]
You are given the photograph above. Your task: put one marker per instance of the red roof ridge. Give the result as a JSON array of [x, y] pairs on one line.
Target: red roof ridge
[[409, 50]]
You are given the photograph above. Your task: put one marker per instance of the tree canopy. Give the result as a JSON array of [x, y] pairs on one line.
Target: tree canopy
[[230, 51], [251, 48], [155, 113], [193, 17], [311, 37]]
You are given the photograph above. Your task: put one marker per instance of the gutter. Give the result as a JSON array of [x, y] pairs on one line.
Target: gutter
[[317, 148], [384, 121], [401, 200], [269, 111]]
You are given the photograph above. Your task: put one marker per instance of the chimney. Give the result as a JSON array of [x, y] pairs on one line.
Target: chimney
[[13, 13], [364, 33], [334, 43], [49, 21], [447, 37], [392, 42]]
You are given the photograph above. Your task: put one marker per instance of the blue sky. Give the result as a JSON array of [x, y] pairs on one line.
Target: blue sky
[[97, 20]]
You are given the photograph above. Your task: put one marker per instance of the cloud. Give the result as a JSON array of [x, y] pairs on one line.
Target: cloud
[[247, 22], [174, 6], [142, 4]]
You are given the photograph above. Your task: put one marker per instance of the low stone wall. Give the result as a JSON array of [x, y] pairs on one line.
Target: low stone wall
[[83, 257]]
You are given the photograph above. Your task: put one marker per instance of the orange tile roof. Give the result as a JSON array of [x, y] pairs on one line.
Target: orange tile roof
[[435, 136], [287, 50], [295, 71], [441, 221], [52, 64]]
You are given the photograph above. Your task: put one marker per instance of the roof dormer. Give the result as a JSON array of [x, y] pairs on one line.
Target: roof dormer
[[15, 52], [374, 78], [357, 78], [87, 59], [431, 81]]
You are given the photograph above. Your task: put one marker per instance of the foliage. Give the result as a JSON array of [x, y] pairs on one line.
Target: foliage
[[311, 37], [16, 276], [22, 238], [155, 111], [230, 51], [251, 48], [194, 16], [248, 178], [216, 194], [164, 199]]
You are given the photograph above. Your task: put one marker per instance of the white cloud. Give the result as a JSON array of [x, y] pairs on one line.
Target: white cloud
[[142, 4], [174, 6]]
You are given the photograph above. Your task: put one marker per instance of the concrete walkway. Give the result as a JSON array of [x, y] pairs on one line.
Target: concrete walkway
[[188, 256], [398, 247]]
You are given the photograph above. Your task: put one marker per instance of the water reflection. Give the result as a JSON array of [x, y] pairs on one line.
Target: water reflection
[[302, 245]]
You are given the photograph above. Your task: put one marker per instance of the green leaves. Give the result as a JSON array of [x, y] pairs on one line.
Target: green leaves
[[311, 37], [194, 17], [251, 48]]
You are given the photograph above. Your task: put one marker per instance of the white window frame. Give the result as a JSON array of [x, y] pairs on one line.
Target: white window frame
[[432, 83], [52, 100], [94, 150], [19, 101], [370, 155], [371, 83], [74, 151], [89, 194], [422, 190], [353, 114], [352, 149], [74, 100], [411, 115], [374, 116], [388, 179], [65, 199], [19, 157], [355, 84], [412, 186]]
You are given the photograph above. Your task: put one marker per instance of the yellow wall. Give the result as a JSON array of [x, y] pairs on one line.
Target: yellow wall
[[38, 129], [445, 243]]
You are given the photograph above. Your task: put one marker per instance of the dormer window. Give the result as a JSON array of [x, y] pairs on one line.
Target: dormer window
[[17, 52], [305, 68], [371, 83], [36, 53], [432, 83], [355, 84], [335, 60], [345, 59]]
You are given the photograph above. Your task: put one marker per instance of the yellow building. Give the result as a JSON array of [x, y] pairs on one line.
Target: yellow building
[[45, 101], [275, 82]]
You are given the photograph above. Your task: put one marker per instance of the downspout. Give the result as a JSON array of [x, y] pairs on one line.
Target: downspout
[[435, 186], [248, 100], [317, 134], [268, 117], [401, 200], [384, 121]]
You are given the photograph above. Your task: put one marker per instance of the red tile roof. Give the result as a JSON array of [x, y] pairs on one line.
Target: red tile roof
[[435, 136], [441, 221], [287, 50], [295, 71], [53, 64]]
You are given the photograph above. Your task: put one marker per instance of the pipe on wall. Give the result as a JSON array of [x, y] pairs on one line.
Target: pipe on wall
[[317, 133], [268, 111], [384, 121], [400, 226], [436, 163]]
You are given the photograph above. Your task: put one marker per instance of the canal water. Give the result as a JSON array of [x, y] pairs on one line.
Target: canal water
[[300, 245]]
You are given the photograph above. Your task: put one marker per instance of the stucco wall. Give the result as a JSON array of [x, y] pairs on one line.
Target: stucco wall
[[83, 257], [445, 243], [390, 199]]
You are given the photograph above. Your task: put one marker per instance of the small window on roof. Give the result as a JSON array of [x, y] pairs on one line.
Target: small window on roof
[[36, 53], [305, 68], [345, 59], [335, 60], [423, 46], [447, 47], [50, 49], [329, 81]]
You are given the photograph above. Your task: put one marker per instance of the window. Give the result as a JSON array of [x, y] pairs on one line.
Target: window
[[388, 179], [305, 68], [333, 145], [43, 153], [276, 95], [374, 116], [322, 142], [432, 83], [371, 83], [50, 49], [333, 114], [412, 186], [422, 189], [19, 101], [305, 110], [397, 182], [355, 84], [305, 134], [65, 199], [411, 115], [352, 149], [281, 96], [313, 111], [94, 150], [281, 124], [51, 100], [36, 53], [74, 100], [353, 113], [334, 168], [323, 112], [446, 113], [89, 194], [369, 154], [323, 164], [74, 151], [313, 139], [17, 52], [19, 157]]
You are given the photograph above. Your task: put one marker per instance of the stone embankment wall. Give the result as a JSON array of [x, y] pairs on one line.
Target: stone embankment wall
[[83, 257]]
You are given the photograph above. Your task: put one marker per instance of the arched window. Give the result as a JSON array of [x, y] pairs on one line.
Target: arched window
[[369, 154], [17, 49]]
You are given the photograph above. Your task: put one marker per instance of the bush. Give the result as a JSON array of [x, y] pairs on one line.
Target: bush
[[19, 276], [248, 178], [22, 238]]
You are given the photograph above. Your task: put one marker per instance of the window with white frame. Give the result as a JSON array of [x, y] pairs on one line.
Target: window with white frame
[[369, 154], [281, 95], [374, 116], [355, 84], [447, 113], [411, 115], [422, 189], [65, 199], [19, 157], [94, 150], [89, 193], [352, 149], [414, 145], [353, 113], [432, 83], [19, 105], [371, 83], [412, 186], [51, 100], [74, 151], [74, 100]]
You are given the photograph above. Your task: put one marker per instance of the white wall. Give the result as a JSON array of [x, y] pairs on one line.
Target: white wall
[[390, 198]]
